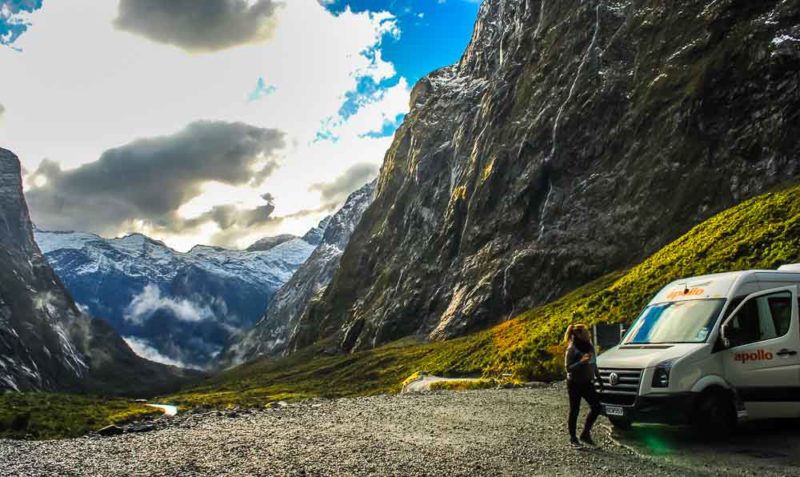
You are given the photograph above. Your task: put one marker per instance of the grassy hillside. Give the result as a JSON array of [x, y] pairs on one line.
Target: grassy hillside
[[50, 416], [763, 232]]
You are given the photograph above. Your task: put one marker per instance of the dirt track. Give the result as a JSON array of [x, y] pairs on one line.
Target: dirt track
[[495, 432]]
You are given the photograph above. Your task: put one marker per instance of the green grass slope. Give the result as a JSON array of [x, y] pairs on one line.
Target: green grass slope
[[763, 232], [51, 416]]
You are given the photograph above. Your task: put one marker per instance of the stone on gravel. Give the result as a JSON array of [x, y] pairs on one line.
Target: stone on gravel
[[111, 430]]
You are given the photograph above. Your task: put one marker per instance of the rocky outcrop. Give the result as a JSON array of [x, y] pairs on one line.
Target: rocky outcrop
[[46, 343], [267, 243], [572, 138], [272, 333]]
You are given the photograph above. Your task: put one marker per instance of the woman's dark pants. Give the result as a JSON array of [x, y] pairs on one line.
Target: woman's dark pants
[[578, 390]]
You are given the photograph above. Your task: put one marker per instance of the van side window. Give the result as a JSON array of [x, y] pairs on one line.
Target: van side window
[[735, 301], [762, 318]]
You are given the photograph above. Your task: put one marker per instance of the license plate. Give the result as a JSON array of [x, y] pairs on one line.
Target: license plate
[[614, 411]]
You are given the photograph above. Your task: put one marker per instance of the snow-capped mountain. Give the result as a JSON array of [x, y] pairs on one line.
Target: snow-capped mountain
[[172, 307], [273, 332], [46, 342]]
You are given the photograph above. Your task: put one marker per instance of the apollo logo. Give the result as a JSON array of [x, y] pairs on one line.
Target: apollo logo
[[681, 292], [760, 355]]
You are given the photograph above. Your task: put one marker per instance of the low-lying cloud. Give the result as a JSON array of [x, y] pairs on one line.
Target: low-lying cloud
[[146, 181], [199, 25], [150, 301], [334, 193], [143, 348]]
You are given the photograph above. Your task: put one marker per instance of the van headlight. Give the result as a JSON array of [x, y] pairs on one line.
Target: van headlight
[[661, 375]]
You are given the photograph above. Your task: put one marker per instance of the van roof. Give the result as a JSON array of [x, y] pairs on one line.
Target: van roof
[[716, 285]]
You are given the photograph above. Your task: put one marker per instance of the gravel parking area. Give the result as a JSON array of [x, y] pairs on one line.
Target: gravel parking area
[[491, 432]]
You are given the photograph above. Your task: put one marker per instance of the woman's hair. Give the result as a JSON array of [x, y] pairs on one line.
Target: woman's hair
[[572, 329]]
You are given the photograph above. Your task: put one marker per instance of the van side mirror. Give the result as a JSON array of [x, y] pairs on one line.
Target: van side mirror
[[723, 333]]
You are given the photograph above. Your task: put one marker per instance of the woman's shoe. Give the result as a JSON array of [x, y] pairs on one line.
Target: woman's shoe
[[573, 441], [587, 438]]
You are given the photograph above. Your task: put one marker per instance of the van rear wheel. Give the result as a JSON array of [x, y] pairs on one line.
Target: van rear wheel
[[714, 414]]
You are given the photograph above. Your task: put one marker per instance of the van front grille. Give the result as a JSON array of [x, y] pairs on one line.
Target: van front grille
[[625, 388]]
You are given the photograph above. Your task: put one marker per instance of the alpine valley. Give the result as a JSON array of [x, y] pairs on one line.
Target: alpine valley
[[579, 155]]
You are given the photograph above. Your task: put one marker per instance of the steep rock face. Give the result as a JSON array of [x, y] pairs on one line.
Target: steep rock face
[[271, 335], [46, 343], [175, 307], [572, 138]]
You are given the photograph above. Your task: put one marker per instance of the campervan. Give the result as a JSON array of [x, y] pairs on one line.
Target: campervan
[[709, 351]]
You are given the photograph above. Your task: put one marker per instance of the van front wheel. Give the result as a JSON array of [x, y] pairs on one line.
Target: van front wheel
[[714, 414]]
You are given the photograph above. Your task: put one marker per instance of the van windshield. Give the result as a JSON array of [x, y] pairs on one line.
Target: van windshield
[[689, 321]]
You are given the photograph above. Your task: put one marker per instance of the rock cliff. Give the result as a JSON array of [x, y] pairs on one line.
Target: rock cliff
[[573, 138]]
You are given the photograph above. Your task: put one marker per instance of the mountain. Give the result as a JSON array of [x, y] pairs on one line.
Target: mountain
[[177, 308], [274, 330], [267, 243], [46, 342], [572, 138]]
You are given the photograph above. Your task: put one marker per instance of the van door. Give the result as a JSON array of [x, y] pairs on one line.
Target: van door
[[762, 359]]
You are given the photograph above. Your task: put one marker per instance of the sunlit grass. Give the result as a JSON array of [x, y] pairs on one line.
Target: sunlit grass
[[51, 416]]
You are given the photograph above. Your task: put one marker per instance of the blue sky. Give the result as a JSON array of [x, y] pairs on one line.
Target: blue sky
[[433, 33], [12, 28]]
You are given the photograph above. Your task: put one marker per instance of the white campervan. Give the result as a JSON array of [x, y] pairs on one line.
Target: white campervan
[[709, 350]]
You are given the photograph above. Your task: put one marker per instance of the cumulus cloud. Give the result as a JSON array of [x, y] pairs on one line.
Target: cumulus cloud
[[199, 25], [336, 191], [143, 348], [150, 300], [148, 180]]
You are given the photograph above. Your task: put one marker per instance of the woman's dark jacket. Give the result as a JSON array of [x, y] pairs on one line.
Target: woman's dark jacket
[[578, 372]]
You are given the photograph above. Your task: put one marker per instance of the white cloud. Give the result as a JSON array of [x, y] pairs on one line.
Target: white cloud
[[149, 301], [143, 348], [82, 87]]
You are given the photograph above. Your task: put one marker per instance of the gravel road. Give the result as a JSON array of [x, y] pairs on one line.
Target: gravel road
[[492, 432]]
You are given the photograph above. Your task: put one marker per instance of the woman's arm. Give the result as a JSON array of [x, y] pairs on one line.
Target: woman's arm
[[572, 360], [597, 376]]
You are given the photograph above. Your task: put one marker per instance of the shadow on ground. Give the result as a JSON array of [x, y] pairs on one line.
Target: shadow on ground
[[760, 444]]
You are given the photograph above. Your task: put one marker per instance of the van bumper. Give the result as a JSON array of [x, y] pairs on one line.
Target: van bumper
[[672, 408]]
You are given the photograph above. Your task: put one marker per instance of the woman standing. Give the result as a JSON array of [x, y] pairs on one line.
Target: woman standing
[[580, 362]]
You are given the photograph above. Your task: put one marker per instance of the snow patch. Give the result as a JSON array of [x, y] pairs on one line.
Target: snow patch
[[781, 39]]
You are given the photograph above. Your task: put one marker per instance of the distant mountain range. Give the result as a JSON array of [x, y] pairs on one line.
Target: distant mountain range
[[172, 307], [46, 342]]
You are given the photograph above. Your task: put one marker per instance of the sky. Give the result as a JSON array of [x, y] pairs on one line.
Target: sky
[[210, 121]]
